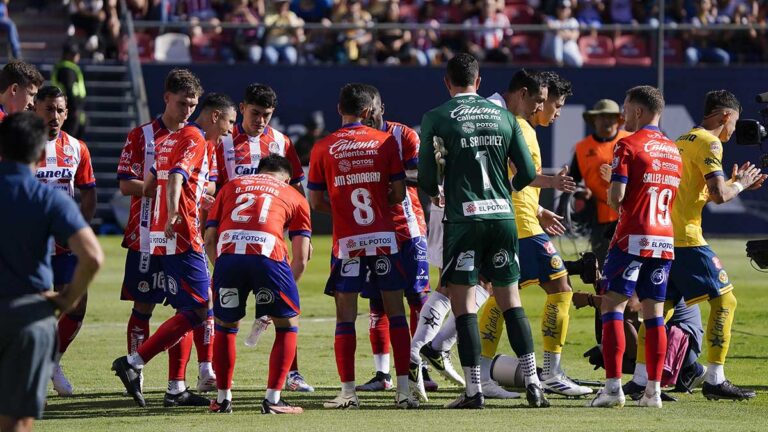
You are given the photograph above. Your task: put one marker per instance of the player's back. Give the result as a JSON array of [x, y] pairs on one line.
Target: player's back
[[356, 164], [649, 164]]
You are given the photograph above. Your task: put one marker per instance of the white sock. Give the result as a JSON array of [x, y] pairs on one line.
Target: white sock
[[205, 370], [223, 395], [551, 366], [715, 374], [653, 387], [348, 388], [613, 385], [640, 377], [472, 377], [381, 362], [485, 369], [175, 387], [136, 361], [445, 339], [273, 396], [402, 383], [528, 364], [430, 319]]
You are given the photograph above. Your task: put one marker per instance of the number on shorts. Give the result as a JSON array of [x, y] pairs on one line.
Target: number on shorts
[[363, 212]]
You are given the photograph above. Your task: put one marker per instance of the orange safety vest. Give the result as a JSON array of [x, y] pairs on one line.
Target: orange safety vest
[[590, 154]]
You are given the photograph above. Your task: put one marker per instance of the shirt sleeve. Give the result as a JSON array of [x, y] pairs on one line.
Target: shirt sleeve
[[622, 157], [293, 157], [520, 156], [710, 160], [300, 222], [84, 178], [131, 165], [213, 172], [410, 140], [64, 216], [395, 168], [222, 177], [316, 179], [186, 156], [427, 177]]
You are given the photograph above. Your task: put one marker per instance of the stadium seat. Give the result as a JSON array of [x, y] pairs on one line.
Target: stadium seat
[[526, 48], [145, 45], [631, 50], [173, 48], [597, 50], [409, 11], [673, 51], [520, 13], [206, 48]]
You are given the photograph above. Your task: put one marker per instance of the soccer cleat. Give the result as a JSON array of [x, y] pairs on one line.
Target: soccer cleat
[[535, 396], [650, 401], [130, 378], [295, 382], [635, 392], [492, 390], [257, 329], [185, 398], [690, 378], [564, 386], [406, 401], [606, 399], [441, 361], [465, 402], [60, 382], [379, 382], [726, 390], [342, 401], [224, 407], [416, 382], [281, 407], [206, 384], [429, 385]]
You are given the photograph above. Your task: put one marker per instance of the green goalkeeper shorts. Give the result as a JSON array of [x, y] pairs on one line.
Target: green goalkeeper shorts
[[487, 249]]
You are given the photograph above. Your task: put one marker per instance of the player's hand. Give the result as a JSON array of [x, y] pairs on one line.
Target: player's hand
[[62, 303], [207, 201], [440, 153], [439, 200], [759, 182], [747, 174], [551, 223], [563, 182], [605, 172], [172, 220]]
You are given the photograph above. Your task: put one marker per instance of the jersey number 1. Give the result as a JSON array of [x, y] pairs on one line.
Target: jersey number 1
[[659, 212], [244, 201]]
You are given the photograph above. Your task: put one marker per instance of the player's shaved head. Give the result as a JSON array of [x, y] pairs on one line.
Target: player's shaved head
[[217, 102], [49, 92], [648, 97], [183, 81], [719, 99], [354, 99], [275, 164], [261, 95], [462, 70], [22, 137]]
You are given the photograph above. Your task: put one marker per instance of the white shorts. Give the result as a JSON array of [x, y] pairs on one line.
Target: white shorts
[[435, 236]]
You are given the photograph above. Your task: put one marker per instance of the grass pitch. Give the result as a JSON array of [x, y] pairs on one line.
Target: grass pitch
[[99, 404]]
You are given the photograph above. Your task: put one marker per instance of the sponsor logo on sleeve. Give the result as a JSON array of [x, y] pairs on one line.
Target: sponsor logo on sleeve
[[717, 263], [550, 248]]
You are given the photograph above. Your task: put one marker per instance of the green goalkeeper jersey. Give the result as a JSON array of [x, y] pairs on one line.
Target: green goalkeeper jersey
[[480, 138]]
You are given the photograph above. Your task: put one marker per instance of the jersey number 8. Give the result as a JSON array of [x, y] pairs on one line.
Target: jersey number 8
[[363, 212]]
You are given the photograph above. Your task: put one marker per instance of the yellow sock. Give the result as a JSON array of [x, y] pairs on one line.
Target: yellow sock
[[491, 322], [669, 310], [554, 321], [718, 335]]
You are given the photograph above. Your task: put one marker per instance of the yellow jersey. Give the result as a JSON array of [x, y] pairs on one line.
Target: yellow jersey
[[702, 155], [526, 202]]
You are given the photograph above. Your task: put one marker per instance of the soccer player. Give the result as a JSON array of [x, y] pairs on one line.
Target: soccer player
[[646, 174], [244, 235], [64, 165], [143, 280], [178, 180], [480, 234], [241, 153], [19, 82], [361, 169], [697, 274]]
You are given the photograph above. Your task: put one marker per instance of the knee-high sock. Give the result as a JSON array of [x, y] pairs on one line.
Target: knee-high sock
[[554, 329], [614, 343], [521, 340], [491, 327], [430, 319], [378, 331], [224, 356], [138, 330], [469, 351], [281, 357], [69, 327], [344, 345], [168, 334], [401, 343], [718, 333], [178, 357], [669, 310], [655, 347], [295, 362], [204, 339]]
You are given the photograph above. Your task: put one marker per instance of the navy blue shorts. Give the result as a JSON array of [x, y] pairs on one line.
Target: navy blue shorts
[[350, 275], [697, 275], [63, 268], [626, 273], [413, 257], [143, 279], [186, 280], [539, 261], [236, 276]]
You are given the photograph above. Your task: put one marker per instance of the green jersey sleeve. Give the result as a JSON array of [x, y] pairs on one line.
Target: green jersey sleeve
[[520, 155], [427, 176]]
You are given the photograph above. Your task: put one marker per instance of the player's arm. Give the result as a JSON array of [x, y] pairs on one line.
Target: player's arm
[[616, 192], [396, 192], [561, 181], [211, 240], [745, 177], [622, 156], [300, 247], [521, 157], [427, 166], [149, 185], [300, 232], [88, 203], [133, 187], [172, 196], [318, 201]]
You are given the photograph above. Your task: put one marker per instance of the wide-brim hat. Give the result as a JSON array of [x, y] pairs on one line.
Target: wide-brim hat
[[603, 106]]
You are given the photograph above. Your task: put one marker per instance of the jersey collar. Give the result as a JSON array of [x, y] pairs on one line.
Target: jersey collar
[[202, 132], [464, 94], [160, 122], [351, 125], [652, 128]]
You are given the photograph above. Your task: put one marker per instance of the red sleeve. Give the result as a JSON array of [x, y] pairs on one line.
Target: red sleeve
[[410, 141], [131, 165], [187, 154], [316, 172], [214, 213], [84, 178], [213, 171], [300, 222], [395, 168], [293, 157], [622, 157]]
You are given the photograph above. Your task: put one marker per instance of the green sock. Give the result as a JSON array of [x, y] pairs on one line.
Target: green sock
[[468, 339], [518, 331]]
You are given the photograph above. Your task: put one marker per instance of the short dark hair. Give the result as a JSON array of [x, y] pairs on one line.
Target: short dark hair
[[21, 73], [373, 91], [720, 99], [274, 163], [70, 49], [183, 81], [22, 137], [530, 80], [261, 95], [49, 92], [557, 85], [217, 102], [354, 98], [462, 70], [647, 96]]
